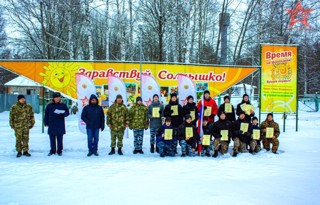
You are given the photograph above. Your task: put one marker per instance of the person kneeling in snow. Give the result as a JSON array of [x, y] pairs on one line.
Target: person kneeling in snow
[[222, 127], [164, 139], [207, 130], [255, 144], [187, 136], [241, 134], [275, 132]]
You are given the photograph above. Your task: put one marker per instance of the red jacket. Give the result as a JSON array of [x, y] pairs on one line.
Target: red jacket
[[209, 103]]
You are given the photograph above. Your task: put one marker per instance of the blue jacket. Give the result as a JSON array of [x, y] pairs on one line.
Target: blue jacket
[[93, 115], [161, 131], [54, 121]]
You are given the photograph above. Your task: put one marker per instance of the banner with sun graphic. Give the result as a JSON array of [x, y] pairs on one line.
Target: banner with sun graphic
[[60, 76], [150, 87], [279, 78]]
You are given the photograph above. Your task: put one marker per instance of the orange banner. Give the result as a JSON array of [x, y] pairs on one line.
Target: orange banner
[[60, 76]]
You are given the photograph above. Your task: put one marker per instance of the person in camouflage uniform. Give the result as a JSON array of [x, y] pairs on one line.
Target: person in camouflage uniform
[[21, 121], [269, 122], [117, 121], [255, 145], [138, 121]]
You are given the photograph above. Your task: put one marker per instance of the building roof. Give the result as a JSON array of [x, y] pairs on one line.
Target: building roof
[[22, 81]]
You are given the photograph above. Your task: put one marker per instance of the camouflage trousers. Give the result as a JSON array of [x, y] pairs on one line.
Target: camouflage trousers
[[153, 132], [267, 141], [254, 146], [182, 144], [117, 135], [189, 151], [239, 146], [22, 139], [165, 148], [138, 139], [223, 146]]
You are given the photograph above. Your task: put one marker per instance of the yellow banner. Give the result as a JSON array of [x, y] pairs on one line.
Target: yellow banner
[[278, 78], [60, 76]]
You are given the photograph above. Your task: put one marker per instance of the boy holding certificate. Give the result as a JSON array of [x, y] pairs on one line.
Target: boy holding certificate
[[222, 132], [206, 139], [155, 113], [191, 109], [164, 139], [255, 146], [227, 107], [246, 107], [241, 134], [174, 110], [187, 136], [270, 133]]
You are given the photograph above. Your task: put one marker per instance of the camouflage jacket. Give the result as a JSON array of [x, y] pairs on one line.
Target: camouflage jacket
[[273, 124], [117, 117], [138, 117], [21, 116]]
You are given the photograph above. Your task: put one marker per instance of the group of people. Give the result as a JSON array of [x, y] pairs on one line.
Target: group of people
[[191, 126]]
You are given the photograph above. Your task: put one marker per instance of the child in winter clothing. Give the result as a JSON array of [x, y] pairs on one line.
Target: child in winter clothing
[[164, 146], [255, 145], [191, 109], [241, 139], [223, 124], [187, 142], [207, 130]]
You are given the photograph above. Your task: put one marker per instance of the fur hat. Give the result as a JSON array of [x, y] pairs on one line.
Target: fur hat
[[20, 97]]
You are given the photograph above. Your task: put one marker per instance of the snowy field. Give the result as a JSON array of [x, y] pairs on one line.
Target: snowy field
[[292, 177]]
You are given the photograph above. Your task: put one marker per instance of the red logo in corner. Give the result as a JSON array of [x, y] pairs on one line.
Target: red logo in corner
[[299, 14]]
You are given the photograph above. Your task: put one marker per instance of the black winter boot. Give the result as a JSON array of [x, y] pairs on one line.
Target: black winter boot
[[19, 154], [135, 151], [234, 154], [120, 151], [112, 151], [157, 149], [27, 154], [152, 148], [215, 154]]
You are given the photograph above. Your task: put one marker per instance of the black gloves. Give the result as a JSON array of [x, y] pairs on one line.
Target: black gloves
[[247, 134], [205, 107], [160, 112], [171, 111], [241, 131], [102, 128], [212, 116]]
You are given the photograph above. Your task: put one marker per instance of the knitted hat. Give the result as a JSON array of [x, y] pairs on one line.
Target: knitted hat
[[118, 96], [226, 97], [155, 96], [187, 117], [222, 112], [56, 94], [270, 114], [255, 118], [241, 112], [206, 91], [190, 96], [173, 95], [20, 97], [138, 99], [168, 119]]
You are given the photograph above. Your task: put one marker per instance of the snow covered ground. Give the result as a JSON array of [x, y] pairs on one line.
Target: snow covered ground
[[292, 177]]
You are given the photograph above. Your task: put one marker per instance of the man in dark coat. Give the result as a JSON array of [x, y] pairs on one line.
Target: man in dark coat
[[93, 115], [230, 113], [54, 116]]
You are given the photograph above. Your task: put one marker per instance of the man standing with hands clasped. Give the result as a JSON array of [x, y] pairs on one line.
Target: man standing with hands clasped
[[54, 118], [93, 115], [22, 120]]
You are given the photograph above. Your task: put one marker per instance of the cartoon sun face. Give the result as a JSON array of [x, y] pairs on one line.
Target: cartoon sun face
[[61, 76]]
